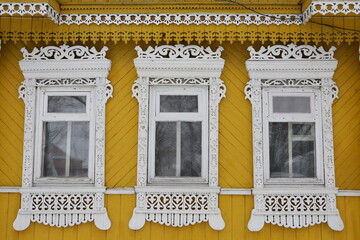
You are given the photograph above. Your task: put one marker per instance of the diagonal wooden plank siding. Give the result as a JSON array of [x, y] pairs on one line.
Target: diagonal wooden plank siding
[[235, 119], [235, 138]]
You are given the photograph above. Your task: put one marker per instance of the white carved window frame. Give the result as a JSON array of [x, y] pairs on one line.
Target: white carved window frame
[[66, 70], [293, 68], [177, 204], [155, 115]]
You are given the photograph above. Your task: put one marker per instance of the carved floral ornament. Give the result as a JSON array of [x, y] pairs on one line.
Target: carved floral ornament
[[293, 67], [60, 205], [63, 52], [291, 51], [179, 51], [180, 205], [315, 7]]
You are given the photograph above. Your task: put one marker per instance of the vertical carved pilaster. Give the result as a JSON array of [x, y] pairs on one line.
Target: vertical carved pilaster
[[141, 93], [329, 92], [27, 92], [253, 93], [217, 92]]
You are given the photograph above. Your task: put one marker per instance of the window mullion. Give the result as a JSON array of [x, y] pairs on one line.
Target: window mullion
[[68, 149], [290, 134], [178, 148]]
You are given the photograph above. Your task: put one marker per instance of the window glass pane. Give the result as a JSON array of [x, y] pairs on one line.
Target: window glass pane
[[165, 149], [79, 149], [303, 159], [67, 104], [191, 149], [289, 104], [279, 150], [171, 103], [302, 129], [292, 150], [66, 149], [54, 149]]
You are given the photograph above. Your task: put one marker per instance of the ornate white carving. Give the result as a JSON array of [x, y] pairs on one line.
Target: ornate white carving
[[62, 209], [178, 51], [57, 206], [32, 9], [181, 18], [331, 7], [290, 82], [295, 210], [295, 203], [57, 202], [291, 51], [179, 81], [315, 7], [64, 52], [293, 207], [178, 206], [66, 81]]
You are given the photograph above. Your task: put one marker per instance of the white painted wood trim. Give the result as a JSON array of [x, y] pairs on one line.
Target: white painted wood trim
[[318, 7], [223, 191], [121, 191], [348, 193], [9, 189], [236, 191]]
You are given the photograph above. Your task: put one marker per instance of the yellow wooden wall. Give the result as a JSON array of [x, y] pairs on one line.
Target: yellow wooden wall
[[235, 170]]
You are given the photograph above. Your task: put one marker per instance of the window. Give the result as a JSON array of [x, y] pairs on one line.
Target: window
[[178, 135], [179, 90], [65, 92], [65, 135], [291, 91], [292, 134]]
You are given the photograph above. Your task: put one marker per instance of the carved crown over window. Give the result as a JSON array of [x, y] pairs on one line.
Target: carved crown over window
[[291, 51], [179, 51], [293, 70], [52, 69], [64, 52], [179, 204]]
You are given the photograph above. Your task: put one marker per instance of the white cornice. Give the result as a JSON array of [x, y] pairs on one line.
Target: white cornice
[[179, 61], [57, 62], [315, 7], [291, 61]]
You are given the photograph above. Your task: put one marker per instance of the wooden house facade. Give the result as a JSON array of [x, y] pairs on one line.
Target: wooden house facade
[[263, 143]]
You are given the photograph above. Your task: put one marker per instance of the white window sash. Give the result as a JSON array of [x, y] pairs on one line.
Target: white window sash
[[43, 116], [157, 116], [313, 117]]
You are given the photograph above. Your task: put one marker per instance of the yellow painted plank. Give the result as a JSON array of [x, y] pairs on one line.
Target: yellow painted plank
[[4, 200], [276, 232], [56, 233], [326, 232], [225, 204], [41, 231], [70, 232], [114, 203], [13, 206], [157, 231], [126, 209]]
